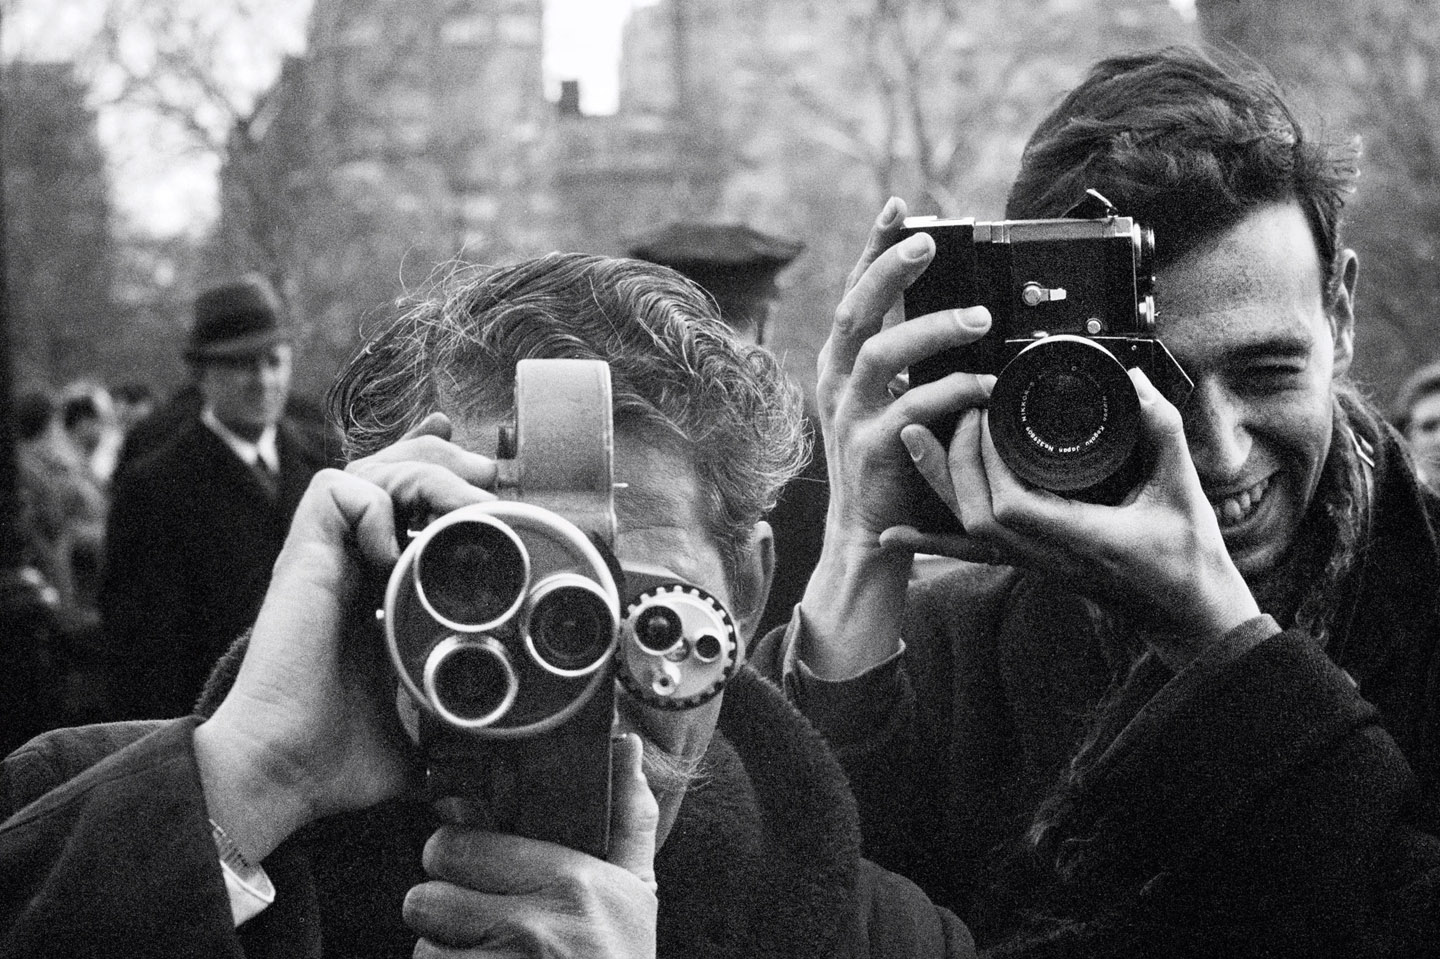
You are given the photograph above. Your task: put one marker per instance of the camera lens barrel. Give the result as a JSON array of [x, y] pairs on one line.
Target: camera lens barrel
[[1064, 415], [471, 573], [470, 681], [569, 626]]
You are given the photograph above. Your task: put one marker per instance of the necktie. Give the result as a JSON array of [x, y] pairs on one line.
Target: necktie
[[268, 478]]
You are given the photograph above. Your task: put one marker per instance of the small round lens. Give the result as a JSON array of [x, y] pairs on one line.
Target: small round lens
[[708, 647], [571, 628], [470, 681], [658, 629], [472, 573]]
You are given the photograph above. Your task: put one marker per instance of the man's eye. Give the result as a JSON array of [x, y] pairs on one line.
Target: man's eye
[[1272, 376]]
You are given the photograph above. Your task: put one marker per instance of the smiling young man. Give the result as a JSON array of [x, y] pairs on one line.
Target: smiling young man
[[1205, 720], [289, 809]]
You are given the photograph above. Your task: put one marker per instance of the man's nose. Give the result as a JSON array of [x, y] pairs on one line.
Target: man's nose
[[1217, 432]]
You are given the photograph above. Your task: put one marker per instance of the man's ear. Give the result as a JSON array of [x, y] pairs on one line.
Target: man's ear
[[1342, 312], [752, 581]]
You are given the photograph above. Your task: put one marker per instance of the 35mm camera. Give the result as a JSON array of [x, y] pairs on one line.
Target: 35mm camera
[[1072, 308]]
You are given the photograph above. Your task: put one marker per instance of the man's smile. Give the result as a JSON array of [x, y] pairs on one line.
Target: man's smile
[[1232, 510]]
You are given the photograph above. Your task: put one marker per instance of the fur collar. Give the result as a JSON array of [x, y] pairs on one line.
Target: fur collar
[[763, 858]]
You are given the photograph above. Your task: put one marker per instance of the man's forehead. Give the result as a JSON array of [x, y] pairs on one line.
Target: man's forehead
[[1258, 287], [656, 487]]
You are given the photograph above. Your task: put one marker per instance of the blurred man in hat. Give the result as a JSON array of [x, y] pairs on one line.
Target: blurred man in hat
[[198, 519], [738, 266]]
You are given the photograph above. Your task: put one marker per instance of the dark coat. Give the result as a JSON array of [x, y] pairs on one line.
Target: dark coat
[[107, 851], [192, 538], [1264, 806]]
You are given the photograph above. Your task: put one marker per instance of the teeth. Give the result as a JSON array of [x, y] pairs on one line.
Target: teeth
[[1235, 508]]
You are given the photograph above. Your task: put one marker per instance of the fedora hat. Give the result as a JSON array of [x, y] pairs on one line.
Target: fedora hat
[[235, 320]]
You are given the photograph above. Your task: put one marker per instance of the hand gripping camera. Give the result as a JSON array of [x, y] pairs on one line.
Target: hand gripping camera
[[509, 625], [1072, 308]]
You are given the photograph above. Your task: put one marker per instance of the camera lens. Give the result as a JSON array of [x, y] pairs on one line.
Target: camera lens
[[571, 626], [470, 682], [1064, 415], [1065, 407], [472, 574], [708, 647], [658, 629]]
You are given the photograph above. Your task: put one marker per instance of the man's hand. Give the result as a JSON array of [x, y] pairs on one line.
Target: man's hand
[[1157, 557], [309, 727], [853, 603], [494, 895]]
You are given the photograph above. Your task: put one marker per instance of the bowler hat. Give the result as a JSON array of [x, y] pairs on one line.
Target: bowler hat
[[235, 320]]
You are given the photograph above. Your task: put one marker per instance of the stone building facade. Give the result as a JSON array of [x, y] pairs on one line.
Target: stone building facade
[[411, 133]]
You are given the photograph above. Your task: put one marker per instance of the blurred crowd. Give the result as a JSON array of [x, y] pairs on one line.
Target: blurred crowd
[[68, 443]]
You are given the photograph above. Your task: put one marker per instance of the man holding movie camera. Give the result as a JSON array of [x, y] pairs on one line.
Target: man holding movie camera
[[296, 815], [1195, 715]]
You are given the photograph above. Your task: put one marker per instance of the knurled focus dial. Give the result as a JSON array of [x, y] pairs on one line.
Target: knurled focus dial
[[678, 647]]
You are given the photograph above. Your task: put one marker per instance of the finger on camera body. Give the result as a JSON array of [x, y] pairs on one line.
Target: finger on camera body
[[931, 461], [421, 488], [506, 864], [458, 923], [1164, 430], [473, 468], [338, 508], [487, 885], [635, 814], [970, 478], [862, 312], [1029, 514], [884, 356], [883, 231], [954, 545]]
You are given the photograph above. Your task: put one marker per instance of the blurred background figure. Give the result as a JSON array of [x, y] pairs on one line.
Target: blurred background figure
[[739, 267], [61, 515], [62, 508], [134, 401], [200, 513], [87, 413], [1417, 416]]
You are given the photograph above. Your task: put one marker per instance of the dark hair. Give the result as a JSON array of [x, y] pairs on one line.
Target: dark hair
[[1188, 143], [679, 377]]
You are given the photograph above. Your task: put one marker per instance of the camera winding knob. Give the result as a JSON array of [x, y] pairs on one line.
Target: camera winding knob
[[678, 647]]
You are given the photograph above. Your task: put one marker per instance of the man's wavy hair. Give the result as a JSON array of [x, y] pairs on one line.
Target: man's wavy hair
[[679, 377], [1188, 143]]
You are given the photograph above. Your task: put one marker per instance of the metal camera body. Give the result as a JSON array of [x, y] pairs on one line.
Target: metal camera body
[[509, 622], [1072, 309]]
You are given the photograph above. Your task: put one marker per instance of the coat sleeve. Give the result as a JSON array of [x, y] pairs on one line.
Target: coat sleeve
[[144, 595], [897, 920], [1263, 812], [110, 856], [893, 727]]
